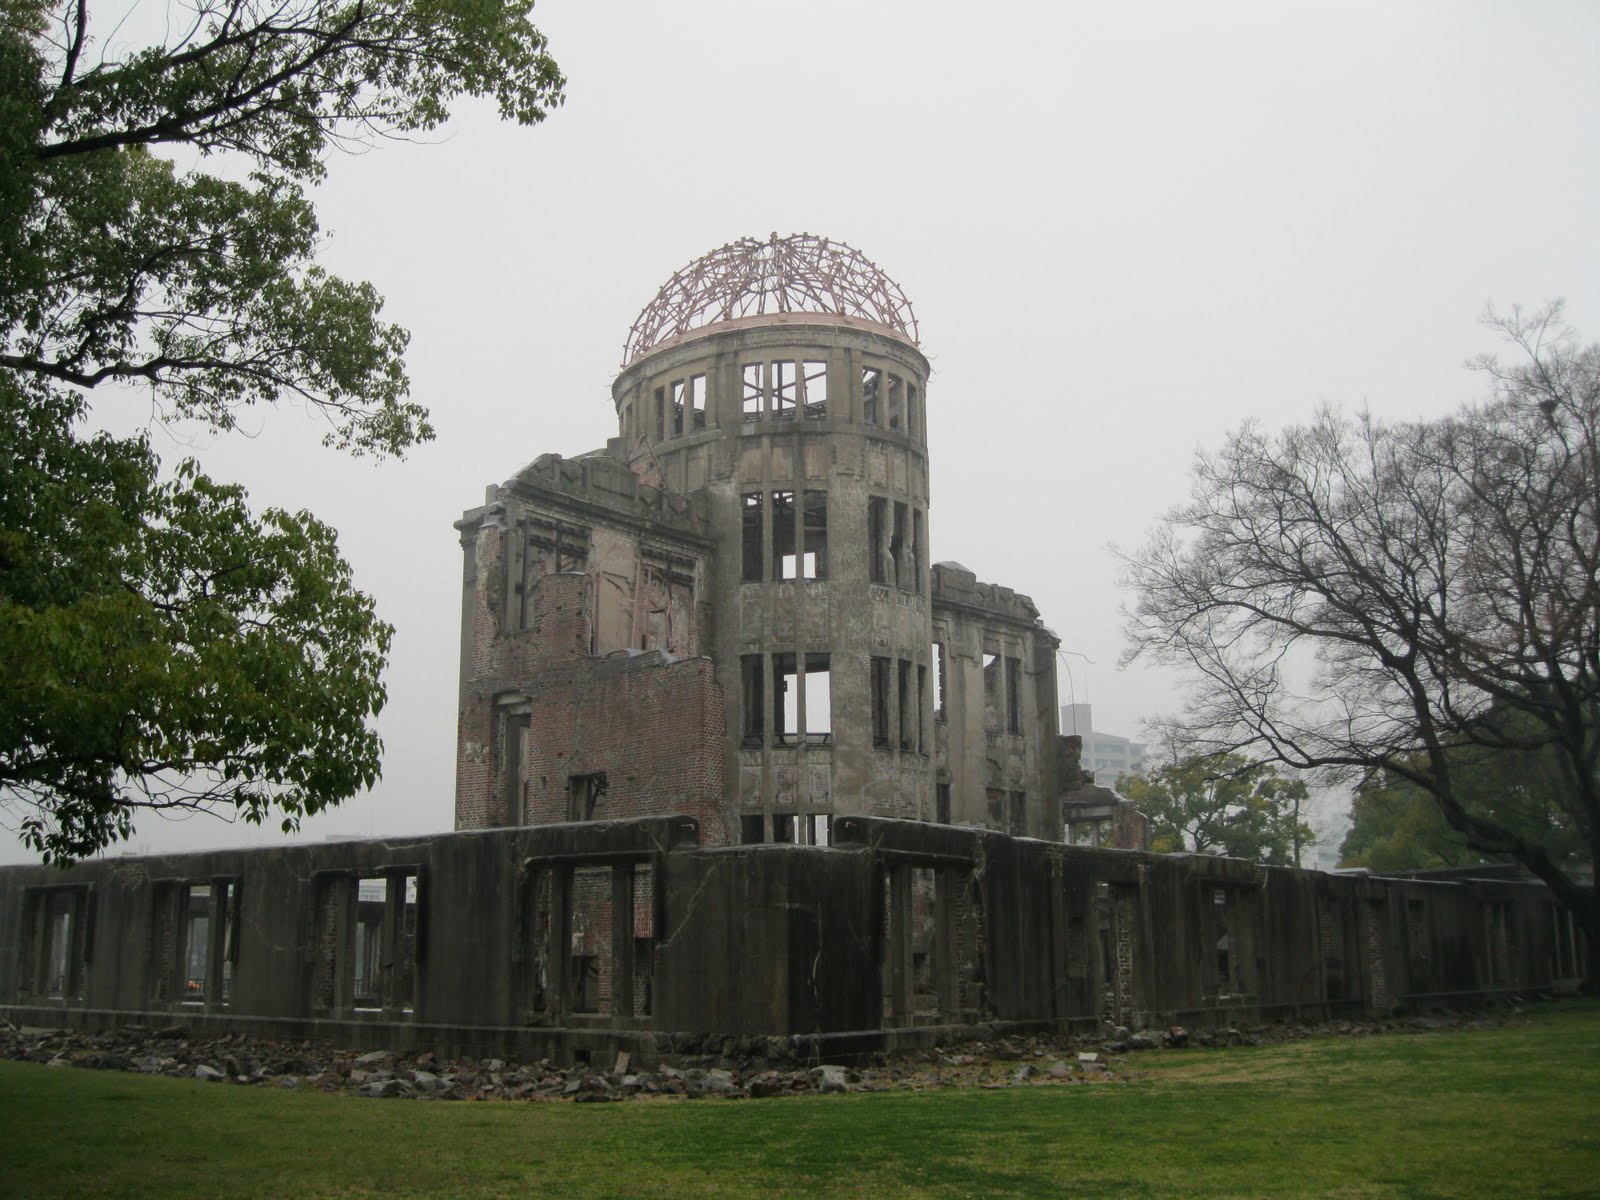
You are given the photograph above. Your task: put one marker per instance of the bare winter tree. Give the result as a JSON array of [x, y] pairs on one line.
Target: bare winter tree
[[1416, 598]]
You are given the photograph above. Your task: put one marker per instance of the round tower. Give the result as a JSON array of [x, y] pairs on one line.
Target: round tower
[[783, 378]]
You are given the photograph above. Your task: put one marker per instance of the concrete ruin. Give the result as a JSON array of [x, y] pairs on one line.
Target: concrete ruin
[[740, 768]]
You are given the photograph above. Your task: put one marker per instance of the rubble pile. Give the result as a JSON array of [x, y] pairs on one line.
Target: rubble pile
[[1010, 1061]]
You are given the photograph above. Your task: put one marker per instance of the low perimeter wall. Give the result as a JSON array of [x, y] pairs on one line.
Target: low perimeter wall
[[576, 940]]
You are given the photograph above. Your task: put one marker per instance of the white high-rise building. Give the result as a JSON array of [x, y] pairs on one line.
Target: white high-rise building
[[1106, 754]]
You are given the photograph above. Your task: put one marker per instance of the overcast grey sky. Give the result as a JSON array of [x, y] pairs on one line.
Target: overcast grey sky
[[1125, 228]]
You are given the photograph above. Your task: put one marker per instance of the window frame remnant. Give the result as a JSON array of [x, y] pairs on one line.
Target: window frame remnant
[[784, 392], [814, 534], [785, 535], [1013, 696], [697, 403], [814, 388], [753, 564], [907, 735], [753, 400], [894, 398], [993, 692], [753, 702], [585, 793], [879, 669], [879, 564]]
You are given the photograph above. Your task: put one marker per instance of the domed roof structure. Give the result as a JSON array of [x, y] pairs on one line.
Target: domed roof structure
[[801, 273]]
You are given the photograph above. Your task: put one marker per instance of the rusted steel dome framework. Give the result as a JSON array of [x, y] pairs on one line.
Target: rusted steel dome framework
[[751, 278]]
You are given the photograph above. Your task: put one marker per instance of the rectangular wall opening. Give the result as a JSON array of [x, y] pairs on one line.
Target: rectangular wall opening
[[899, 559], [820, 829], [661, 414], [819, 701], [916, 550], [1013, 695], [895, 403], [1017, 815], [815, 529], [785, 390], [993, 703], [814, 382], [783, 827], [750, 829], [196, 942], [754, 705], [880, 566], [940, 713], [903, 694], [589, 975], [922, 705], [697, 402], [880, 701], [785, 699], [678, 393], [753, 557], [372, 895], [750, 404], [586, 796], [785, 547], [871, 394]]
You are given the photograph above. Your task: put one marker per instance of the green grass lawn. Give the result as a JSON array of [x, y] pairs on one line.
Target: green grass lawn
[[1506, 1112]]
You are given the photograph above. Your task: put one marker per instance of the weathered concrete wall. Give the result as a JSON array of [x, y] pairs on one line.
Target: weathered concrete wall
[[805, 411], [585, 938], [999, 751]]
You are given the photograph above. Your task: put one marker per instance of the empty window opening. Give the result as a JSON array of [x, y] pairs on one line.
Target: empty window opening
[[880, 701], [196, 942], [751, 403], [677, 407], [697, 402], [783, 827], [54, 935], [1017, 814], [922, 704], [585, 796], [940, 713], [815, 529], [661, 414], [752, 678], [916, 550], [513, 737], [785, 699], [992, 700], [1220, 902], [895, 403], [941, 803], [899, 557], [871, 394], [814, 385], [1013, 695], [995, 807], [819, 701], [785, 390], [912, 418], [820, 829], [908, 733], [881, 566], [585, 983], [372, 895], [785, 548], [751, 827], [753, 557]]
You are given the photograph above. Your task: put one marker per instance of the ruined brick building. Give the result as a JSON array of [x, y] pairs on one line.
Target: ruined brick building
[[729, 611], [739, 771]]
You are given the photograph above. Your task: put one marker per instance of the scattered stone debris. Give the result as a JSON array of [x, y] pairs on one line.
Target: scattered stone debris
[[1012, 1061]]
